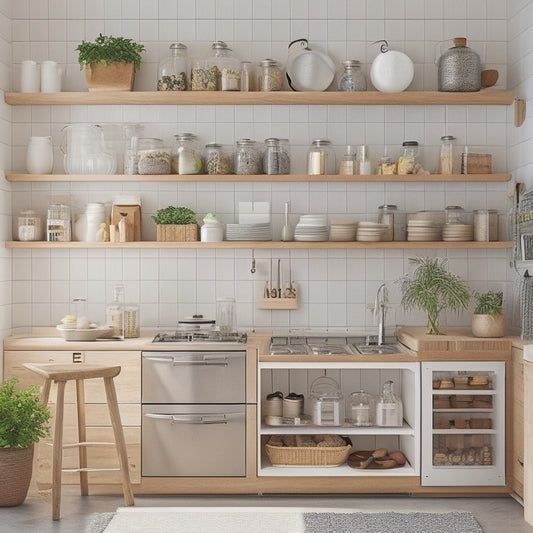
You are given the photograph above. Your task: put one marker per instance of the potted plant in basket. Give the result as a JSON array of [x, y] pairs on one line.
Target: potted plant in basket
[[23, 421], [110, 62], [176, 224], [432, 288], [488, 319]]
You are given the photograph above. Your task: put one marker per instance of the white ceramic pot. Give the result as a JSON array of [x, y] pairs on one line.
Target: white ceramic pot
[[391, 71], [488, 325]]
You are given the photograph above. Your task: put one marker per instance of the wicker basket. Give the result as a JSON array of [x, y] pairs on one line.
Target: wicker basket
[[312, 456], [177, 232], [15, 474]]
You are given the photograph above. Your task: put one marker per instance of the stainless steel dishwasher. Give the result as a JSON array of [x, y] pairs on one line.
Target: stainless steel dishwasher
[[194, 413]]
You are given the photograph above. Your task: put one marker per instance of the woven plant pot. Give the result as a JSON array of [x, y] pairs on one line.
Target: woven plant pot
[[113, 77], [15, 475], [177, 232], [488, 325]]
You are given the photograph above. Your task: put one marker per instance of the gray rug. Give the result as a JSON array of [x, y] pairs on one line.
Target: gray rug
[[275, 520]]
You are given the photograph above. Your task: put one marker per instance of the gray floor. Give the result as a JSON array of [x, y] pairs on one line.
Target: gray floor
[[496, 515]]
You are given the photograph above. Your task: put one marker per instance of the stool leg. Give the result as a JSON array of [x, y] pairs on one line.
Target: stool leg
[[120, 442], [45, 393], [57, 461], [82, 437]]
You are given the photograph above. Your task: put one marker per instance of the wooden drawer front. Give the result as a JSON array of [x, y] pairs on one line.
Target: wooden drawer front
[[97, 414], [97, 457]]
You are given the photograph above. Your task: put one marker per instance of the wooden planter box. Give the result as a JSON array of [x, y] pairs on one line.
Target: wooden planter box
[[113, 77], [177, 232]]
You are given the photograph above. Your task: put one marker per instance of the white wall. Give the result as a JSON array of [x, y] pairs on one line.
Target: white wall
[[336, 286]]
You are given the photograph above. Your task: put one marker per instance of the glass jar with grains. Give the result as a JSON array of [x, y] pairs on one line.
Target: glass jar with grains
[[276, 158], [270, 75], [352, 79], [248, 157], [186, 154], [446, 155], [321, 158], [227, 66], [408, 161], [173, 70], [136, 145], [218, 159]]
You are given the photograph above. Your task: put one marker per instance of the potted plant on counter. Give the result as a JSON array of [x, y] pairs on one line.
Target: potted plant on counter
[[176, 224], [488, 319], [23, 421], [432, 288], [110, 62]]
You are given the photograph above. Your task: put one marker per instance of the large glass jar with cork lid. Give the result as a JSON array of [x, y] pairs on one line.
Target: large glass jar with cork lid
[[173, 71]]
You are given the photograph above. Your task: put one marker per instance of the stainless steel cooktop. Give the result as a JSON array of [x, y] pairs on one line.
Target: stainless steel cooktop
[[198, 336], [310, 345]]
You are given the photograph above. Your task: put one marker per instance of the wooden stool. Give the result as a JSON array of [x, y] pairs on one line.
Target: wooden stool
[[60, 374]]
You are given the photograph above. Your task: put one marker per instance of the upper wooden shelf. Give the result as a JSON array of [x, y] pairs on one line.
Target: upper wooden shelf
[[484, 97], [259, 177]]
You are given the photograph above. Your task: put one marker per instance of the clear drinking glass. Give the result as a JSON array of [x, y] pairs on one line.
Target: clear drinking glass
[[225, 315]]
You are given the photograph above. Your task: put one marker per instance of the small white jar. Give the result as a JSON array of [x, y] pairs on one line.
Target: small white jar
[[95, 214], [40, 155], [212, 230]]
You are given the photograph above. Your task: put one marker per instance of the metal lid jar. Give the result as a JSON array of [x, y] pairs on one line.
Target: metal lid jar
[[248, 158], [446, 155], [270, 76], [186, 154], [320, 158], [276, 158], [218, 159], [173, 71], [352, 79], [361, 409], [228, 67], [459, 68], [408, 161]]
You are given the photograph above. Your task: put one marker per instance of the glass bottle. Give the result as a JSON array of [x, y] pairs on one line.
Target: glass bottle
[[276, 158], [247, 76], [173, 71], [408, 161], [320, 158], [389, 408], [218, 159], [361, 409], [186, 157], [347, 165], [248, 158], [386, 216], [115, 312], [446, 155], [228, 67], [352, 79], [364, 167], [270, 76]]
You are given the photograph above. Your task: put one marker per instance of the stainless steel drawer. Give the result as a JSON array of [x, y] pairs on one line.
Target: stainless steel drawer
[[194, 377], [193, 440]]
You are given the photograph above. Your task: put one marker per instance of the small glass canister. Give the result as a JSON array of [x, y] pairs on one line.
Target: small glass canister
[[446, 155], [186, 155], [248, 158], [347, 164], [173, 71], [364, 166], [386, 216], [455, 215], [136, 145], [270, 76], [361, 409], [327, 402], [386, 166], [29, 226], [485, 225], [408, 161], [155, 161], [218, 159], [276, 158], [320, 158], [352, 79], [58, 223], [228, 66], [132, 322], [248, 76]]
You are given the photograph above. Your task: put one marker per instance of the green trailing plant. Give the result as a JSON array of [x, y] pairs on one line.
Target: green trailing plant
[[23, 418], [432, 288], [175, 215], [489, 303], [108, 49]]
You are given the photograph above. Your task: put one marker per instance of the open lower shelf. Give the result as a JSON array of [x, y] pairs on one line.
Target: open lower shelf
[[344, 470], [466, 410], [464, 432], [201, 178], [461, 392], [340, 430], [327, 245]]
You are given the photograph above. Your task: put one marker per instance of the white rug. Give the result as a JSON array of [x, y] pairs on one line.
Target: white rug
[[276, 520]]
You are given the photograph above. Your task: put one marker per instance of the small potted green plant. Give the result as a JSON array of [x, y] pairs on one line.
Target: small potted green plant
[[176, 224], [110, 62], [488, 319], [432, 288], [23, 421]]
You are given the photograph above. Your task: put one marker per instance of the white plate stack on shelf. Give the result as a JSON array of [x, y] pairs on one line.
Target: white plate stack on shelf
[[371, 231], [458, 232], [311, 228], [342, 230], [425, 226], [254, 223]]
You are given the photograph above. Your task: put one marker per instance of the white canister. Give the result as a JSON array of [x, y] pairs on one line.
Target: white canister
[[30, 80], [95, 214], [40, 155], [51, 77]]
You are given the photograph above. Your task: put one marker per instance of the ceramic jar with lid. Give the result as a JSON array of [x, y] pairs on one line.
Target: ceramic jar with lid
[[270, 76], [173, 72], [212, 230], [320, 158], [459, 68], [248, 157], [186, 155], [352, 79]]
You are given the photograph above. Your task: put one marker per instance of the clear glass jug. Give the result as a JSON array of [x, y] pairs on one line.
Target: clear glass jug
[[389, 408]]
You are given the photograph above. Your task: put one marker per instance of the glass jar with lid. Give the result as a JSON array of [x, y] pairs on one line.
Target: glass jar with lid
[[485, 225], [173, 71], [446, 155], [386, 166], [347, 164], [352, 79], [455, 214], [248, 76], [270, 76], [137, 144], [227, 65], [408, 161], [248, 158], [186, 155], [389, 408], [218, 159], [154, 161], [361, 409], [386, 216], [29, 226], [276, 158], [320, 158], [327, 402]]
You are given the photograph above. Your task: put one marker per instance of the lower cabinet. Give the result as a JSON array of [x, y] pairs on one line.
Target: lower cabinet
[[516, 474]]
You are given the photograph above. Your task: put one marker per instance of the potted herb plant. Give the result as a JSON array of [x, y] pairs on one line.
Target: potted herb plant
[[488, 319], [432, 288], [110, 62], [176, 224], [23, 421]]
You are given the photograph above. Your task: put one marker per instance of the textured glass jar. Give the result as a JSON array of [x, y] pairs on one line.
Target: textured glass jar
[[386, 166], [276, 158], [173, 71], [408, 161], [218, 159], [186, 155], [352, 79], [248, 157], [270, 76], [320, 158]]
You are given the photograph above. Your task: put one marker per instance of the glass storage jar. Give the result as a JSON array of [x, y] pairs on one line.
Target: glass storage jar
[[29, 226], [455, 215], [485, 225], [276, 158], [361, 409], [446, 155], [58, 223], [363, 164], [408, 161], [386, 166], [186, 155], [173, 71], [248, 76], [155, 161], [248, 157], [352, 79], [347, 164], [320, 158], [136, 145], [218, 159], [270, 76], [228, 67], [389, 408], [327, 402], [386, 216]]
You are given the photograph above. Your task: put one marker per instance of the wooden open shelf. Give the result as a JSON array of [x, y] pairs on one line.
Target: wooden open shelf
[[136, 178], [329, 245], [484, 97]]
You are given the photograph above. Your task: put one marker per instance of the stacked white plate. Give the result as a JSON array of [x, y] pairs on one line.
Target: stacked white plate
[[249, 232], [371, 231], [311, 228], [342, 230], [424, 230], [458, 232]]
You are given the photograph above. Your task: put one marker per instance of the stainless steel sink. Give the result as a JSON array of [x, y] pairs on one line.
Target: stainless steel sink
[[383, 349]]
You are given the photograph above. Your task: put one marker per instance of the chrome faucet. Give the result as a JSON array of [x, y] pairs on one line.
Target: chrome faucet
[[382, 299]]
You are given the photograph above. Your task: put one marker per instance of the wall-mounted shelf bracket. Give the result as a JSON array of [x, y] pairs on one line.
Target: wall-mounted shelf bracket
[[519, 111]]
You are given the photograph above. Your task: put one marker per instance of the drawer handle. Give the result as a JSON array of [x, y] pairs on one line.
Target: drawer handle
[[520, 462], [207, 360], [192, 419]]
